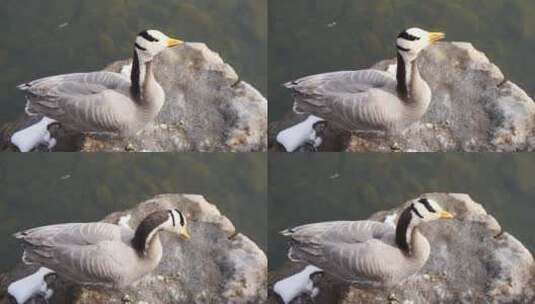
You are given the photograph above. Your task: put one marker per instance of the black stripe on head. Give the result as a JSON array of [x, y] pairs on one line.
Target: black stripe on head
[[413, 209], [408, 36], [402, 48], [182, 220], [145, 34], [139, 47], [427, 205], [172, 217]]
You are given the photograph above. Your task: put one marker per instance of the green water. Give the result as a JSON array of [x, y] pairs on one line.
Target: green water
[[40, 189], [42, 38], [335, 186], [313, 36]]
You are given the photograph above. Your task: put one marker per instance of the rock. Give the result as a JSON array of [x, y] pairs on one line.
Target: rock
[[207, 108], [472, 261], [217, 265], [474, 108]]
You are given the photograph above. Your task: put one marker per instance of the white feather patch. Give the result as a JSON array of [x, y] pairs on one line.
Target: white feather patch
[[30, 286], [34, 135], [392, 69], [124, 220], [126, 70], [295, 136], [391, 220], [297, 284]]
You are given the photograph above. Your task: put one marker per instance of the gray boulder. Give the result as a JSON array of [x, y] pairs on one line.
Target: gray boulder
[[217, 265], [474, 108], [472, 261], [207, 108]]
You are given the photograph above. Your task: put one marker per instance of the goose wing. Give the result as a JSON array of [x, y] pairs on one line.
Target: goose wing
[[353, 98], [351, 250], [341, 83], [82, 251], [107, 262], [102, 79], [92, 101], [79, 234]]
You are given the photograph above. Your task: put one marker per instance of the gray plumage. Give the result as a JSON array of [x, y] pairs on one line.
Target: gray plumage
[[103, 101], [90, 102], [369, 100], [368, 253], [99, 253]]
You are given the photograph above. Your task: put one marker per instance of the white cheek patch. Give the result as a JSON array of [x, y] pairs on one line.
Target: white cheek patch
[[435, 206], [173, 218], [141, 44], [403, 45], [422, 211], [178, 218]]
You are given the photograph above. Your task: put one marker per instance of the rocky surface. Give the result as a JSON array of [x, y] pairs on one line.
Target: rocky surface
[[217, 265], [472, 261], [207, 108], [474, 108]]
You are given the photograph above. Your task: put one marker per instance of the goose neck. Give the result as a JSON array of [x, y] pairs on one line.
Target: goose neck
[[408, 239], [140, 78], [148, 78], [146, 241], [408, 79], [154, 249], [420, 247]]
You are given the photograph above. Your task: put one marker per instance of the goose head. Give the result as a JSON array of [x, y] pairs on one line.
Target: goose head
[[412, 41], [419, 211], [427, 210], [150, 43], [176, 224]]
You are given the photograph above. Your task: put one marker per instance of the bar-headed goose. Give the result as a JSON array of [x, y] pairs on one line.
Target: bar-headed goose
[[102, 253], [368, 253], [371, 100], [104, 101]]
